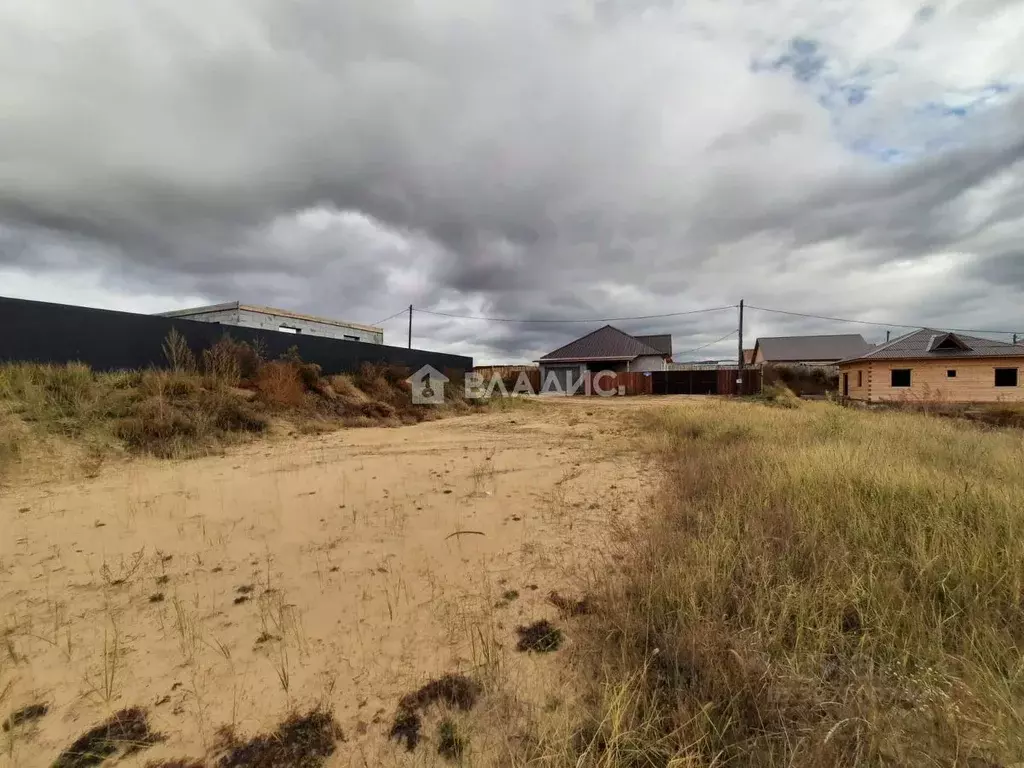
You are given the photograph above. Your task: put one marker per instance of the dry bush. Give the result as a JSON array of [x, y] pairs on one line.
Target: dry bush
[[178, 354], [62, 396], [803, 379], [166, 413], [279, 385], [232, 362], [779, 396], [374, 380], [346, 390], [183, 412], [174, 415], [816, 587], [221, 362]]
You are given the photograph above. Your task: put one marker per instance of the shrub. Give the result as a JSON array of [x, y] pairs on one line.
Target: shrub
[[803, 379], [778, 395], [346, 390], [373, 380], [182, 412], [279, 385], [179, 356], [159, 429], [230, 414], [221, 361]]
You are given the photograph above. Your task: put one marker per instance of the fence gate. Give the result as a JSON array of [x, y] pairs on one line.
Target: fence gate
[[710, 381], [685, 382]]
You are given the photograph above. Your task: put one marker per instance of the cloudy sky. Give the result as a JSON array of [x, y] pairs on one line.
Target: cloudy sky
[[544, 159]]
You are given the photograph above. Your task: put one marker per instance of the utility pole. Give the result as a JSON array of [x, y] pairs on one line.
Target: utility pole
[[410, 326], [739, 376], [1015, 339], [887, 337]]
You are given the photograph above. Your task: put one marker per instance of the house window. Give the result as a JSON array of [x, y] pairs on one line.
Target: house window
[[350, 338], [951, 374], [288, 329], [1006, 377], [900, 377], [860, 378]]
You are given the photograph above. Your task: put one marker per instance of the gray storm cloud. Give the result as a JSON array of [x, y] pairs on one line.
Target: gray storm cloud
[[513, 159]]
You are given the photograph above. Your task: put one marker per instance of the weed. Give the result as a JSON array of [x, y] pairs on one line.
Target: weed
[[125, 732], [541, 636], [107, 679], [125, 571], [450, 743], [570, 607], [406, 728], [452, 690], [25, 715], [300, 742]]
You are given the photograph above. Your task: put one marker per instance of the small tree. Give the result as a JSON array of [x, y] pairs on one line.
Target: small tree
[[178, 354]]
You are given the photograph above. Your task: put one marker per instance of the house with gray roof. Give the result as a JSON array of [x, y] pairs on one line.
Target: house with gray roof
[[606, 349], [935, 366], [808, 350]]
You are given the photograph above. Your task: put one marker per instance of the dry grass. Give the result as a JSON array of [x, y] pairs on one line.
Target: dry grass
[[817, 587], [196, 408], [1007, 414]]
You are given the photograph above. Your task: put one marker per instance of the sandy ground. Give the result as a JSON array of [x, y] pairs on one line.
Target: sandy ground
[[344, 569]]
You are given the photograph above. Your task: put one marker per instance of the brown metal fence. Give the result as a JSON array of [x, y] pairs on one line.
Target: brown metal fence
[[625, 383], [718, 381], [705, 381], [727, 381]]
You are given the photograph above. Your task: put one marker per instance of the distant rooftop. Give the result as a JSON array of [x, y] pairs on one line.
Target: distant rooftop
[[792, 349], [235, 305], [661, 342], [607, 343]]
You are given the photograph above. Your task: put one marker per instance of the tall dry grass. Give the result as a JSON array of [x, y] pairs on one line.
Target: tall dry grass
[[814, 587], [197, 406]]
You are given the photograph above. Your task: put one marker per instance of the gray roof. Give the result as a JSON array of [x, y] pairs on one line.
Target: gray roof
[[608, 343], [237, 305], [795, 349], [930, 344], [661, 342]]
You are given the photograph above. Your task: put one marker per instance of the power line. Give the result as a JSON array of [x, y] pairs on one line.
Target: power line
[[587, 320], [392, 317], [870, 322], [705, 346]]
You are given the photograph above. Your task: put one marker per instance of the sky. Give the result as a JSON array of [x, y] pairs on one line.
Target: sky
[[521, 159]]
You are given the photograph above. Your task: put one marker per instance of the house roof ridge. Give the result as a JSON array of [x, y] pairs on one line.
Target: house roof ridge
[[630, 347], [888, 344]]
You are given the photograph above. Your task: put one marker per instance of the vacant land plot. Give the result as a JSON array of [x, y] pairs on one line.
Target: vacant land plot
[[575, 582], [338, 572]]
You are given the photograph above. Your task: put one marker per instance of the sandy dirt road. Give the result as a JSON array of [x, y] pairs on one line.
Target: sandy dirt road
[[342, 569]]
